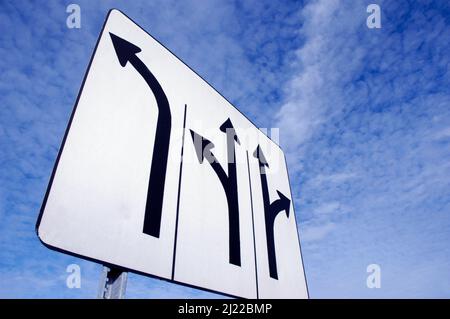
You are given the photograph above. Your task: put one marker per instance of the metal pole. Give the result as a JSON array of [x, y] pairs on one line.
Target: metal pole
[[113, 283]]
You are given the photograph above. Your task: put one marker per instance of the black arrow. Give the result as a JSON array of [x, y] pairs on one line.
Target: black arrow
[[227, 128], [281, 204], [203, 149], [126, 52], [271, 211], [232, 193]]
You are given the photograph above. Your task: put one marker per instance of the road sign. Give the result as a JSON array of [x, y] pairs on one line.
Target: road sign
[[159, 174]]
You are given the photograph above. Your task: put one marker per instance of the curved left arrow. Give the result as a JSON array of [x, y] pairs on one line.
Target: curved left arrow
[[126, 52]]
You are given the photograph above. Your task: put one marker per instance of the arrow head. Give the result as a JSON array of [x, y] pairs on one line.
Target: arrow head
[[227, 127], [124, 49], [260, 156], [202, 146], [285, 202]]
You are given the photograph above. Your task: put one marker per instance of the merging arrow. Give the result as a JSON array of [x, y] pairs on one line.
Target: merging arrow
[[126, 52], [271, 211], [203, 149]]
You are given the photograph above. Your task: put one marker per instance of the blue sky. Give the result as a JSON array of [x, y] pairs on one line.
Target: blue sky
[[364, 118]]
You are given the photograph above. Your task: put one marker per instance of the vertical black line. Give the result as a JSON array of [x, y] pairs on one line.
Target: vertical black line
[[253, 226], [179, 192]]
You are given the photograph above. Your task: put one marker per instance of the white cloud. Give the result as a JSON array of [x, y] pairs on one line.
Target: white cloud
[[442, 134], [316, 232], [328, 208], [365, 125], [315, 94], [334, 178]]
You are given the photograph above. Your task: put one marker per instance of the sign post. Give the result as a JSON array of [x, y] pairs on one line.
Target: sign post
[[113, 283]]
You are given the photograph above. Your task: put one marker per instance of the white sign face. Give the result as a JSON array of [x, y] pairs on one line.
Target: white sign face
[[161, 175]]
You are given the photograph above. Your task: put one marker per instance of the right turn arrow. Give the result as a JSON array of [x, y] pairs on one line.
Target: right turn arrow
[[271, 211]]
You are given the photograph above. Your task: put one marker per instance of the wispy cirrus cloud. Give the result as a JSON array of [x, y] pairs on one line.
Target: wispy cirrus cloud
[[365, 123]]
